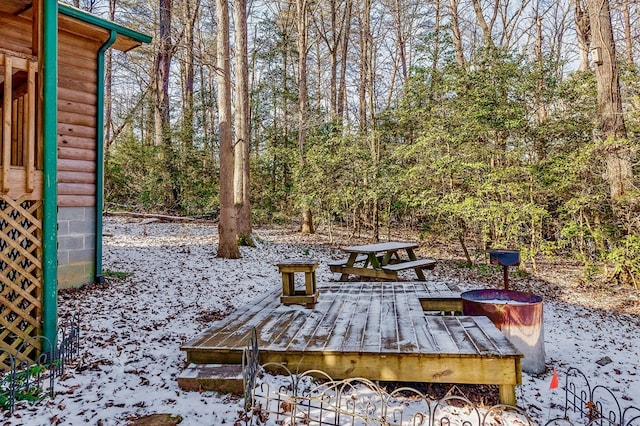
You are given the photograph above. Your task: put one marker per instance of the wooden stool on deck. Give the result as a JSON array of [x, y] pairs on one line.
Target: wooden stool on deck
[[290, 295]]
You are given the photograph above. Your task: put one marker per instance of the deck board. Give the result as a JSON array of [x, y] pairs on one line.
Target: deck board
[[241, 319], [387, 320], [407, 337], [318, 340], [371, 333], [231, 319], [371, 329], [347, 326], [425, 341]]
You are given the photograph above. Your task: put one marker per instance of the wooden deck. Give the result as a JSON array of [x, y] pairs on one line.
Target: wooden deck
[[373, 330]]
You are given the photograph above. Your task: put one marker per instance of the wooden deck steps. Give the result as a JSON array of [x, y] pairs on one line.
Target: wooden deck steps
[[226, 378]]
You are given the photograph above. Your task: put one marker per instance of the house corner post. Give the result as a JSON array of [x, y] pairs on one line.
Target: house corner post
[[50, 193]]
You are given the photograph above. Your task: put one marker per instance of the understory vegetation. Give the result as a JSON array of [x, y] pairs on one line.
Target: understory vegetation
[[500, 153]]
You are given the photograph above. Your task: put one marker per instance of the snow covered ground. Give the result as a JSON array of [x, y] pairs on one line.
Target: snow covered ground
[[132, 328]]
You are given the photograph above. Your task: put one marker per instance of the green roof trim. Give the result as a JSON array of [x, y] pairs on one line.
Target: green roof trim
[[102, 23]]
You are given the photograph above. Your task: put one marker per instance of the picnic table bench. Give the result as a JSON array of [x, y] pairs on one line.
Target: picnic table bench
[[381, 261], [343, 262]]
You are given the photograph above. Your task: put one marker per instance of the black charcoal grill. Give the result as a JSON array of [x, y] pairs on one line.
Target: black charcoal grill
[[505, 258]]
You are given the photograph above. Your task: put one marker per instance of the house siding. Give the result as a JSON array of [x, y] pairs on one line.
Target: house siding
[[76, 145]]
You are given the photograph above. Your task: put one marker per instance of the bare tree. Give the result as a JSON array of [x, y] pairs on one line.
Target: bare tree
[[511, 14], [436, 47], [108, 84], [344, 44], [486, 27], [503, 21], [227, 227], [401, 41], [162, 66], [558, 18], [455, 31], [190, 15], [626, 13], [612, 125], [332, 22], [366, 57], [540, 105], [583, 32], [367, 111]]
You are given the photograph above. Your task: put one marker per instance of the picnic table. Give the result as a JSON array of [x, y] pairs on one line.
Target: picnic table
[[381, 261]]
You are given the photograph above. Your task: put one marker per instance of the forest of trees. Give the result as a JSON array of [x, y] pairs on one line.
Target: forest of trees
[[503, 123]]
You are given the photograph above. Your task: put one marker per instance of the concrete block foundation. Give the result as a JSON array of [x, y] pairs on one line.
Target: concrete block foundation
[[76, 246]]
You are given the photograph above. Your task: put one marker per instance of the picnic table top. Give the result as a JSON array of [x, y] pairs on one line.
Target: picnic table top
[[380, 247]]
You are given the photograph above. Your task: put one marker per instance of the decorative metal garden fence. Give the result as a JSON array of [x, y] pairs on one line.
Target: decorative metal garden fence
[[32, 380], [311, 399], [593, 405], [314, 398]]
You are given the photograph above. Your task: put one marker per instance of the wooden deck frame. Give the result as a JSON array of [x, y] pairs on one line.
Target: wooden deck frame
[[373, 330]]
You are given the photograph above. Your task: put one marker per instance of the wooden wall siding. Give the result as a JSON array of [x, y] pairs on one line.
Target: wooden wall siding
[[15, 34], [15, 6], [77, 107]]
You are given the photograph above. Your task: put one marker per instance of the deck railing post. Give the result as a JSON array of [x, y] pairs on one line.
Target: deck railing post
[[7, 111], [31, 127]]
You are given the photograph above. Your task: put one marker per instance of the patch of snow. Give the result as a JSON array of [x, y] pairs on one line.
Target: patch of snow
[[132, 329]]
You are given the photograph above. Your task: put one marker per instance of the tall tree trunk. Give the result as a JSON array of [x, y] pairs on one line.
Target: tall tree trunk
[[302, 17], [626, 13], [612, 125], [540, 104], [436, 51], [242, 147], [284, 111], [402, 44], [190, 16], [227, 227], [455, 30], [365, 62], [162, 117], [583, 32], [108, 84], [162, 65], [486, 27], [206, 105], [332, 38], [367, 106], [333, 52], [344, 44]]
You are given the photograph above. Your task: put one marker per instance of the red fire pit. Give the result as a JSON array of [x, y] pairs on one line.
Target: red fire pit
[[518, 315]]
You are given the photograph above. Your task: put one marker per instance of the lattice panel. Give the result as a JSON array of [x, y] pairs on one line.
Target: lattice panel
[[20, 275]]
